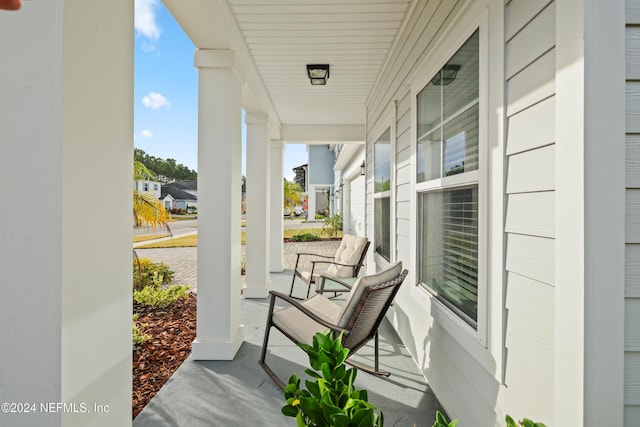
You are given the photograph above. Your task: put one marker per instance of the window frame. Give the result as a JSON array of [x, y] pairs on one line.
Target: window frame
[[386, 122], [442, 53]]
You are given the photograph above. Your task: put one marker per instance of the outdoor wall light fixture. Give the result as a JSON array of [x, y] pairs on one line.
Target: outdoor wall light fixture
[[362, 168], [318, 73], [446, 75]]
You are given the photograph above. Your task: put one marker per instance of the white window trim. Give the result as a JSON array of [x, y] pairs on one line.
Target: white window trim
[[471, 339], [387, 121]]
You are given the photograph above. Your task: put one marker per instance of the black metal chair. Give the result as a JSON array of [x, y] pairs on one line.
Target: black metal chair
[[358, 320], [346, 262]]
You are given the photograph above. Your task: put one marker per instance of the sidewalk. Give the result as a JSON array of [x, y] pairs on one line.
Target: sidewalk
[[183, 261]]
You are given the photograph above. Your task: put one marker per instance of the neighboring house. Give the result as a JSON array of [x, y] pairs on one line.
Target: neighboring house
[[320, 180], [349, 185], [180, 195], [148, 186], [301, 176]]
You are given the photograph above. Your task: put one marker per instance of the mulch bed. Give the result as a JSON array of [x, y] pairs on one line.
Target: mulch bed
[[172, 331]]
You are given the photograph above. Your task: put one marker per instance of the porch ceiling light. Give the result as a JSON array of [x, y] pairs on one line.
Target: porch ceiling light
[[318, 73], [446, 75]]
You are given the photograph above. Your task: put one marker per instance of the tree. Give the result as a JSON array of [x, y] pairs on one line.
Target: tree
[[293, 195], [167, 170], [146, 208]]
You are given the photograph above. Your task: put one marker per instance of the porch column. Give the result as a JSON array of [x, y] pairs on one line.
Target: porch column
[[218, 330], [65, 303], [276, 246], [258, 165]]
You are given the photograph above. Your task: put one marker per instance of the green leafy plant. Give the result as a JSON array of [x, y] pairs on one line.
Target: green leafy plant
[[332, 224], [304, 237], [524, 423], [319, 216], [157, 297], [441, 421], [138, 337], [331, 400], [144, 270]]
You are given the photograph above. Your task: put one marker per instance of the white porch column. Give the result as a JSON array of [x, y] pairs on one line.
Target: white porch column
[[276, 246], [65, 303], [219, 333], [258, 200]]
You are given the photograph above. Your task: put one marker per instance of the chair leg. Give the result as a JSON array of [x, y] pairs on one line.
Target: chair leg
[[292, 282], [295, 271], [367, 369], [265, 342], [375, 370], [311, 281]]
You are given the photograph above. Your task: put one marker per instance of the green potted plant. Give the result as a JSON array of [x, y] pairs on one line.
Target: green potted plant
[[330, 399]]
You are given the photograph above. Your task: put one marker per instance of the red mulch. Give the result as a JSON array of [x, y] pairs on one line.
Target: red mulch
[[172, 331]]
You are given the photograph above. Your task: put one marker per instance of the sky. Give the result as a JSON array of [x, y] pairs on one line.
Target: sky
[[166, 92]]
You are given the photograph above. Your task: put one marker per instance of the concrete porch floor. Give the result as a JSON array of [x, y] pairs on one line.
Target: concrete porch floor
[[239, 392]]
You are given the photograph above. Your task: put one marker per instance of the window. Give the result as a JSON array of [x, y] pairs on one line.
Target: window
[[155, 187], [382, 194], [448, 182], [145, 186]]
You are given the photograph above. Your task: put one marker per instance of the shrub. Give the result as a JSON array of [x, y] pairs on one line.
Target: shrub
[[330, 400], [138, 337], [319, 216], [332, 224], [157, 297], [304, 237], [144, 270], [441, 421]]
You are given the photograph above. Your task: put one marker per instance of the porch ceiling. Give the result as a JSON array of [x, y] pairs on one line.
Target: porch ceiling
[[275, 40]]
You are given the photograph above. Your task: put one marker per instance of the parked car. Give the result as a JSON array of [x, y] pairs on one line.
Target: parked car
[[297, 211]]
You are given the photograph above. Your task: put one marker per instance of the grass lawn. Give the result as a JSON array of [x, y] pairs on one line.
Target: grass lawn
[[178, 242], [137, 239], [183, 217], [190, 241], [317, 231]]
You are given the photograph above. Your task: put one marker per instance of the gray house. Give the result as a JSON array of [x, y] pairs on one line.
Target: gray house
[[180, 195]]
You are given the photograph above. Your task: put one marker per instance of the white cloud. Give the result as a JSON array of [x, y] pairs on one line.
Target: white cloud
[[147, 134], [155, 100], [145, 19], [148, 47]]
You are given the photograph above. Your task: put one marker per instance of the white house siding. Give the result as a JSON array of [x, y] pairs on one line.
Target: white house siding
[[356, 206], [632, 252], [530, 184], [514, 371], [466, 384]]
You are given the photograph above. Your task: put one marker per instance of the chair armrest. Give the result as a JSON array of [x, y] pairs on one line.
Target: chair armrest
[[318, 255], [337, 280], [336, 263], [296, 303]]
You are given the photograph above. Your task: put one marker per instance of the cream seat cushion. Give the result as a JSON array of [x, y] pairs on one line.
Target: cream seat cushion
[[299, 326], [349, 252]]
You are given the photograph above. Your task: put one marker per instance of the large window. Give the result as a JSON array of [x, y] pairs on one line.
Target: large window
[[382, 194], [448, 182]]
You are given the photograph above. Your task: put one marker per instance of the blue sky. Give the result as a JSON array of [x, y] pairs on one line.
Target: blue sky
[[166, 91]]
